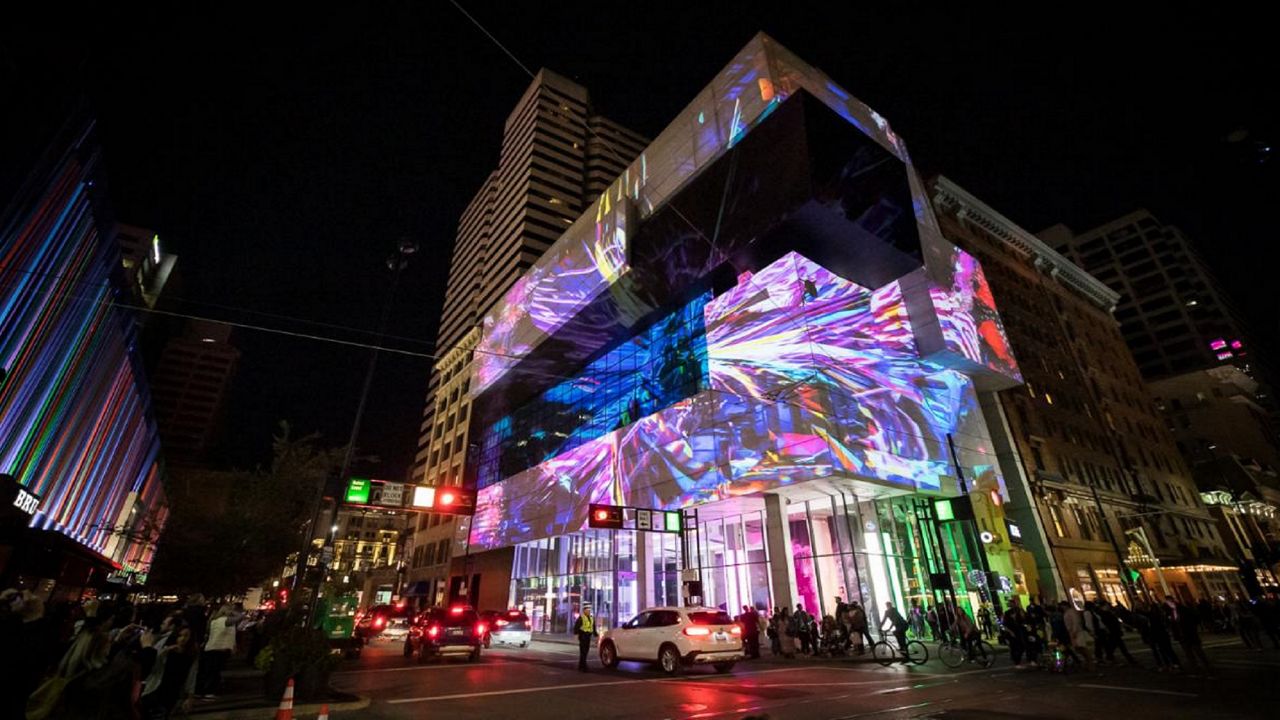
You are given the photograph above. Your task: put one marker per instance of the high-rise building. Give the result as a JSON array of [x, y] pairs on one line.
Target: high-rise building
[[758, 337], [190, 388], [147, 265], [557, 155], [1103, 471], [1172, 311], [79, 452]]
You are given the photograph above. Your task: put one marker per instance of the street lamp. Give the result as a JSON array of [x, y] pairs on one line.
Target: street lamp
[[396, 263]]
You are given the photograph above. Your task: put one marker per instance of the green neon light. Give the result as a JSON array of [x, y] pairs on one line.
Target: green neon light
[[942, 508]]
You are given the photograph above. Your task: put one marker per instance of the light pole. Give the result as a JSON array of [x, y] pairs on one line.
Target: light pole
[[396, 263]]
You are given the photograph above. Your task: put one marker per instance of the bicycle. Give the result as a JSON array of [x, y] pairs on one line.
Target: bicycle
[[953, 653], [886, 653]]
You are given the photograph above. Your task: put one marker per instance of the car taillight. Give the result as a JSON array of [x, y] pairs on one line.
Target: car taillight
[[735, 630], [499, 622], [433, 631], [480, 628], [379, 622], [697, 631]]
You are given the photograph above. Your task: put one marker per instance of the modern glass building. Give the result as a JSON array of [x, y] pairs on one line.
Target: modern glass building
[[78, 445], [758, 324]]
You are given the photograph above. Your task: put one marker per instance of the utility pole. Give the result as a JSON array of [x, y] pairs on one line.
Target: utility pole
[[396, 263]]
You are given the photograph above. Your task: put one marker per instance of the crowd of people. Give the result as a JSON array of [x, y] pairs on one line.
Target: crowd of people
[[1038, 635], [106, 659]]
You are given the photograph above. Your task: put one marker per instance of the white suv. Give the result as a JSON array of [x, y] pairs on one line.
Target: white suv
[[675, 636]]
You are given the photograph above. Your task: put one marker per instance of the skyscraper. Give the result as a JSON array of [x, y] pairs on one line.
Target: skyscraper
[[78, 443], [557, 155], [1172, 310], [190, 387]]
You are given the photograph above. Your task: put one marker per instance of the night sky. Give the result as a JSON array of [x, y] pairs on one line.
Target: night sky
[[282, 153]]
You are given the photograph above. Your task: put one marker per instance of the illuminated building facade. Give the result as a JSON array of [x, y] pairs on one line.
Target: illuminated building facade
[[759, 321], [76, 429], [558, 153], [1100, 465]]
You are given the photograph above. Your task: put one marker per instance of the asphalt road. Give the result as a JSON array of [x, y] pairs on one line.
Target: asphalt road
[[542, 682]]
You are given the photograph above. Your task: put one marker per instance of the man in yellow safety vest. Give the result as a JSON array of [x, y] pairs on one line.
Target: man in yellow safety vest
[[585, 628]]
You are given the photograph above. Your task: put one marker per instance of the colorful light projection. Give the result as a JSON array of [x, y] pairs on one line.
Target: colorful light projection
[[811, 376], [591, 256], [74, 416], [971, 326]]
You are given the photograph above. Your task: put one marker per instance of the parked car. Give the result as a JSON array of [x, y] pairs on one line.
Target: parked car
[[675, 637], [507, 627], [374, 621], [439, 633]]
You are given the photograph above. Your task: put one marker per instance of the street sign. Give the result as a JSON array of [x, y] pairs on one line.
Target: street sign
[[644, 520], [358, 491], [621, 517], [392, 495]]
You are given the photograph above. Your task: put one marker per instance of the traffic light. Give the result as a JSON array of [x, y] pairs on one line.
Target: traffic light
[[608, 517], [445, 499]]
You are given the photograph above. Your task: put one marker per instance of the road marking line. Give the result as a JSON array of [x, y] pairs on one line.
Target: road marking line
[[1134, 689], [887, 710], [517, 691], [417, 668]]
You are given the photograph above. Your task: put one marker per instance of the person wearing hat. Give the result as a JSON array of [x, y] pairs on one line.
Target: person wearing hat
[[585, 628]]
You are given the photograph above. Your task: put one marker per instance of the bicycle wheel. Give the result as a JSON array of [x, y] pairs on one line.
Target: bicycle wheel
[[917, 652], [952, 654], [983, 654], [884, 653]]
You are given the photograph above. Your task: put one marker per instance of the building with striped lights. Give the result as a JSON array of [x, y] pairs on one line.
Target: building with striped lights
[[79, 450]]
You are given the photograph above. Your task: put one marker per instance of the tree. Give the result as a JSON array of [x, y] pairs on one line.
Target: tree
[[228, 531]]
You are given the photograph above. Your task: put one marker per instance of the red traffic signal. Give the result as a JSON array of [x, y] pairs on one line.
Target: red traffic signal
[[447, 500], [608, 517]]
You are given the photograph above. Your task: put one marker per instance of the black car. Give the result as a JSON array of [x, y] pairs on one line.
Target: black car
[[440, 632]]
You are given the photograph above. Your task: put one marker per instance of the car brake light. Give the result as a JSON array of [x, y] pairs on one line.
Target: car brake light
[[379, 622], [499, 622], [735, 630], [433, 631], [455, 610], [480, 628], [696, 631]]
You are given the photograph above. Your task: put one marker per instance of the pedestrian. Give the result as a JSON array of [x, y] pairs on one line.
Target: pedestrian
[[787, 633], [1248, 624], [749, 621], [218, 648], [1269, 616], [858, 627], [1161, 637], [27, 644], [803, 631], [172, 680], [931, 617], [984, 621], [1014, 631], [915, 616], [110, 688], [196, 617], [841, 616], [585, 628], [774, 632], [1114, 638], [1186, 628], [1096, 630], [898, 624]]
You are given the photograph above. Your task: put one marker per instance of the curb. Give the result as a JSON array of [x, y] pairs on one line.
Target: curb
[[258, 713]]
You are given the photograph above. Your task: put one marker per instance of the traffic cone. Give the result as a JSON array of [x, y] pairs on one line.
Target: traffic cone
[[285, 711], [324, 712]]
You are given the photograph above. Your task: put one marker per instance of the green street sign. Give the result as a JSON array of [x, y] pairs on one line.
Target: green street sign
[[358, 491], [673, 522]]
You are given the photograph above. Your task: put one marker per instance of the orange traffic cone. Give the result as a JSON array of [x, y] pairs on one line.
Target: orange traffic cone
[[324, 712], [285, 711]]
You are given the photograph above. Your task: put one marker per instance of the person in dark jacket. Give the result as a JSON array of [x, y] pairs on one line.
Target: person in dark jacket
[[1186, 628], [585, 628], [171, 683], [1113, 640]]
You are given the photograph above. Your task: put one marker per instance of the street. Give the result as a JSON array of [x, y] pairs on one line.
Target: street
[[542, 682]]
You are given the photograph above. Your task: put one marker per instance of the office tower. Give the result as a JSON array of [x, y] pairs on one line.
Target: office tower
[[1173, 312], [191, 384], [557, 155], [79, 453], [1103, 472]]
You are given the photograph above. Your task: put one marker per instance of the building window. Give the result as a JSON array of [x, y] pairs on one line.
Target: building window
[[1056, 515]]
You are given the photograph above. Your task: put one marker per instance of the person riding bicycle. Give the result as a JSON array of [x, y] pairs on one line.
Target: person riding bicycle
[[900, 625]]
